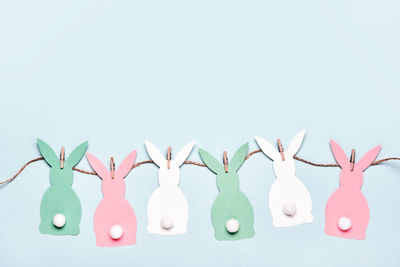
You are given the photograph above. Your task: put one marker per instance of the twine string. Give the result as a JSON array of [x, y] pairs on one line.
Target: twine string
[[135, 165], [20, 170]]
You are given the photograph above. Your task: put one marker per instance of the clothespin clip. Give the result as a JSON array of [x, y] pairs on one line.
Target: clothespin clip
[[169, 157], [62, 157], [352, 159], [112, 168], [226, 161], [280, 148]]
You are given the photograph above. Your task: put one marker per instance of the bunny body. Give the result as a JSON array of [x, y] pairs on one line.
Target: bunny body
[[348, 201], [167, 202], [114, 209], [167, 209], [231, 203], [351, 204], [287, 188], [60, 197]]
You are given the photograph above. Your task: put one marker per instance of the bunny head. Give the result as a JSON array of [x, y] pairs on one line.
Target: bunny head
[[282, 168], [226, 181], [58, 175], [353, 178], [112, 187], [168, 176]]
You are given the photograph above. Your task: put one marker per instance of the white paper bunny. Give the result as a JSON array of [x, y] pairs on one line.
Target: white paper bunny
[[289, 200], [167, 209]]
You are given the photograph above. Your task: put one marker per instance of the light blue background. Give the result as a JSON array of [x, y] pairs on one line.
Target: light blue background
[[217, 72]]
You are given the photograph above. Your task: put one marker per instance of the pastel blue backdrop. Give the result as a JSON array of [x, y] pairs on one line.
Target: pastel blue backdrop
[[218, 72]]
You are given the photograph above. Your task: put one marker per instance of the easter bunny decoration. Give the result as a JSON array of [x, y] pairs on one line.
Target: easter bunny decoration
[[231, 214], [289, 200], [114, 219], [347, 212], [167, 209], [60, 209]]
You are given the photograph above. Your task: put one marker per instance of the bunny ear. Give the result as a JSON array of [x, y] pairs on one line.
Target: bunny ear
[[368, 158], [48, 153], [76, 155], [339, 155], [267, 148], [211, 162], [296, 143], [126, 165], [155, 154], [98, 166], [239, 157], [183, 154]]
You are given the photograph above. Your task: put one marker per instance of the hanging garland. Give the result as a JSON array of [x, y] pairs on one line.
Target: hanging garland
[[115, 224]]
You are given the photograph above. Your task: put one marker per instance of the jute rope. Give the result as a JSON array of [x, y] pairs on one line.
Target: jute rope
[[192, 163]]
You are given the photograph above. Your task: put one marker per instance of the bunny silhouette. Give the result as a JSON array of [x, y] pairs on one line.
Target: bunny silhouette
[[114, 219], [60, 209], [231, 214], [289, 200], [167, 209], [347, 212]]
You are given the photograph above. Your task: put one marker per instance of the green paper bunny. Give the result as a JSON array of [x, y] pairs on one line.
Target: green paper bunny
[[231, 214], [60, 209]]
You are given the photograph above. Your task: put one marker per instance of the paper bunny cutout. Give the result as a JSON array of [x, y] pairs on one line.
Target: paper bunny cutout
[[167, 209], [289, 200], [60, 209], [347, 212], [114, 219], [231, 214]]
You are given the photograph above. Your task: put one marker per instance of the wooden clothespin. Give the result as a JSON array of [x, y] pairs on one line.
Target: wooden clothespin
[[226, 161], [352, 159], [112, 168], [280, 148], [62, 157], [169, 157]]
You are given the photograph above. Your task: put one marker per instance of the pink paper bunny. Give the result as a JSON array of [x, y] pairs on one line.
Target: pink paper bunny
[[114, 219], [347, 212]]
